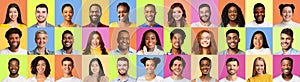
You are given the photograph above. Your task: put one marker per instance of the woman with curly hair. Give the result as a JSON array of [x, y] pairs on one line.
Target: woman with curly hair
[[95, 44], [232, 16], [176, 16], [204, 43]]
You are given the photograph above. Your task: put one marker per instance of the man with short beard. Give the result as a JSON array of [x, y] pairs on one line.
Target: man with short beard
[[123, 44], [13, 36], [232, 39], [67, 67], [176, 65], [204, 15], [286, 40], [259, 15], [286, 68], [95, 13], [123, 66], [14, 76], [232, 65], [41, 15], [67, 42], [150, 12]]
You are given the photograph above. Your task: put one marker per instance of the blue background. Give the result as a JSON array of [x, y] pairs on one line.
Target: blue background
[[266, 31], [31, 36], [76, 4], [113, 14], [141, 70]]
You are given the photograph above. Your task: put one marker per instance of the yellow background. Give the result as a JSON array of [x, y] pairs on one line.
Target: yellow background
[[249, 64], [85, 11], [86, 61], [113, 73], [31, 19], [3, 40], [195, 68], [50, 59], [249, 16]]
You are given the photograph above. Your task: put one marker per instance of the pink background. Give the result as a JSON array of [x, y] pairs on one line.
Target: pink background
[[141, 31], [213, 7], [222, 65], [277, 64], [186, 71], [104, 34]]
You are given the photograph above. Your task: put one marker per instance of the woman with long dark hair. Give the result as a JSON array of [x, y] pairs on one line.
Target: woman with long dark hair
[[96, 72], [95, 45], [150, 44], [13, 17], [177, 16], [259, 44]]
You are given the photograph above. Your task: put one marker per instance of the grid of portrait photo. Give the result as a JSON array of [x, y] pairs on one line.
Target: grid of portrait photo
[[149, 40]]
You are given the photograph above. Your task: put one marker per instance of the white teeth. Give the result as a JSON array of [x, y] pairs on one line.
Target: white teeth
[[232, 44], [176, 44], [285, 70]]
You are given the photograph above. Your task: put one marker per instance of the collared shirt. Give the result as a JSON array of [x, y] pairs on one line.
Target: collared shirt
[[170, 53], [36, 52], [254, 24], [225, 52], [146, 25], [63, 52], [99, 25], [36, 25], [128, 79], [291, 51], [117, 51]]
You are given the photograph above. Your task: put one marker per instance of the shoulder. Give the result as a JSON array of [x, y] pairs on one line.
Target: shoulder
[[168, 79], [114, 24], [87, 78], [195, 24], [104, 79], [223, 80], [50, 79]]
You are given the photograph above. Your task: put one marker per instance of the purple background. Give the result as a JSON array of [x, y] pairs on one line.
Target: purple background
[[222, 65], [186, 71], [104, 34], [277, 64], [140, 32], [213, 7]]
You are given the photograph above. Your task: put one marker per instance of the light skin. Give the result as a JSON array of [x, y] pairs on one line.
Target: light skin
[[95, 14], [13, 15], [122, 67], [41, 41], [286, 42], [177, 69], [259, 67], [95, 68], [232, 40], [176, 43], [95, 41], [287, 14], [258, 41], [67, 67], [41, 15], [286, 68], [150, 41], [204, 14], [259, 14], [41, 67], [232, 68], [67, 14], [150, 67], [67, 42], [123, 42], [13, 69], [150, 13], [205, 42], [177, 15], [123, 15], [232, 15], [14, 42]]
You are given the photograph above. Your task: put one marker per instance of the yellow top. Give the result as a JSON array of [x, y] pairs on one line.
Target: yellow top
[[8, 26], [115, 24], [96, 51], [261, 78]]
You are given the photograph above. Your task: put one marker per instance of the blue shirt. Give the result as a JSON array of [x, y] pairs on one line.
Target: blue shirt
[[225, 52], [155, 25], [128, 79], [291, 51], [35, 52], [117, 51], [36, 25], [63, 52]]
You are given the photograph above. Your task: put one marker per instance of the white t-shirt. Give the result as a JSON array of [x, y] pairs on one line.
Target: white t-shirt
[[70, 79], [254, 24], [20, 51], [156, 79], [198, 24], [17, 79], [237, 80], [169, 79], [33, 79], [287, 24], [280, 79], [261, 51]]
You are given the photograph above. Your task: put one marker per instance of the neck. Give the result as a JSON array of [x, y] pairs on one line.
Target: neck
[[150, 23], [13, 75], [231, 77], [124, 51], [67, 75], [176, 51], [150, 49], [286, 20], [232, 24], [176, 77], [67, 23], [40, 75], [123, 77], [150, 77], [232, 51], [13, 23], [205, 78], [124, 23], [205, 23], [205, 51], [287, 77], [95, 24], [41, 50], [95, 75], [177, 23], [13, 49], [42, 24], [285, 50], [68, 51]]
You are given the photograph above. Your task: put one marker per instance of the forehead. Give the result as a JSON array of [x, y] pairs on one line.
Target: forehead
[[285, 61], [232, 62], [67, 62], [204, 8], [259, 8], [232, 34], [41, 8], [14, 35], [149, 7], [149, 62], [122, 62], [284, 34], [68, 35], [122, 7], [177, 62], [204, 62], [13, 61]]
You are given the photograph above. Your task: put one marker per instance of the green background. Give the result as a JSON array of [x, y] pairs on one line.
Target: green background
[[4, 65], [276, 39], [76, 34], [159, 5], [222, 39], [186, 46], [113, 73]]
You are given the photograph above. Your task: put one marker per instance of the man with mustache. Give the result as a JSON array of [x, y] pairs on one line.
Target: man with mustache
[[13, 36], [177, 37], [95, 13], [67, 67], [123, 66], [232, 65], [259, 15], [204, 15], [41, 15], [177, 65], [205, 66], [150, 12], [286, 40], [123, 44], [14, 76], [67, 42], [232, 39], [286, 68]]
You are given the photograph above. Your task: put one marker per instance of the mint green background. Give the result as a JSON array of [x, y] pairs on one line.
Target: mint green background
[[186, 46], [222, 38], [276, 39], [159, 5], [4, 65], [113, 73], [76, 34]]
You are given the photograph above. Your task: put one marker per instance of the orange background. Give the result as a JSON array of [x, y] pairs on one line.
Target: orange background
[[58, 66], [196, 30], [21, 3], [223, 3], [276, 11], [113, 35], [186, 6]]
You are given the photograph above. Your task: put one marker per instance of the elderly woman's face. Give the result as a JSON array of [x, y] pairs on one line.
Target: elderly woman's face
[[13, 14], [67, 13], [41, 40], [150, 66], [287, 14], [177, 13], [150, 40], [232, 13]]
